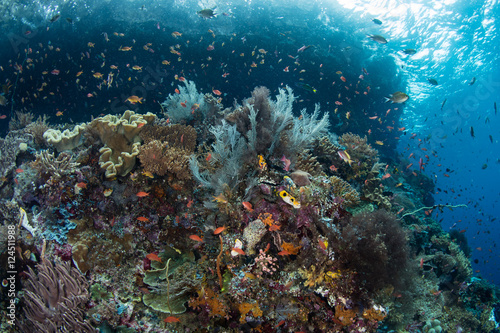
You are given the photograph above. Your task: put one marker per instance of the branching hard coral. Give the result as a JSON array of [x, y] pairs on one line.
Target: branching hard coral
[[37, 129], [463, 268], [55, 299], [372, 191], [20, 120], [160, 159], [308, 163], [56, 167], [363, 156], [344, 191]]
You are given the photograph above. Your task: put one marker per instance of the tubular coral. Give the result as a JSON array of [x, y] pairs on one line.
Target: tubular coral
[[55, 299], [160, 159]]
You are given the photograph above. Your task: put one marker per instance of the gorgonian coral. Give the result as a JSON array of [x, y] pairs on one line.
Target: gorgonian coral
[[55, 298]]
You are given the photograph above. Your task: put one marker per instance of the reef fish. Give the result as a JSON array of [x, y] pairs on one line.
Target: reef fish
[[153, 257], [219, 230], [377, 38], [345, 156], [207, 13], [171, 320], [397, 97], [196, 238], [289, 199]]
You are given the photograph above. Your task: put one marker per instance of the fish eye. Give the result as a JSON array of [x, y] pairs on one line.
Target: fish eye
[[292, 199], [284, 194]]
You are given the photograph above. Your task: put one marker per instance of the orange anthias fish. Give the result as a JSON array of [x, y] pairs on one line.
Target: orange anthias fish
[[219, 230], [217, 92], [134, 99], [171, 320], [196, 238], [274, 227], [153, 257], [239, 251], [143, 219], [142, 194], [247, 205]]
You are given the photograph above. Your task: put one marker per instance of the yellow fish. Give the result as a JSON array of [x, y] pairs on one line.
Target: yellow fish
[[289, 199], [262, 163]]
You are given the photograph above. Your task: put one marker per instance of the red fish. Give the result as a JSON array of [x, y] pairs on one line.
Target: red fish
[[247, 205], [387, 175], [153, 257], [142, 194], [217, 92], [274, 227], [343, 79], [219, 230], [177, 91], [196, 238], [239, 251], [171, 320], [142, 219], [55, 72]]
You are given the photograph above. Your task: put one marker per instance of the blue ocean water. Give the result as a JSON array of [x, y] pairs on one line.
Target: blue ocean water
[[448, 130]]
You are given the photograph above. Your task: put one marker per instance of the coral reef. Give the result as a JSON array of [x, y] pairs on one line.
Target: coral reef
[[249, 219]]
